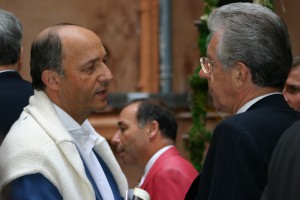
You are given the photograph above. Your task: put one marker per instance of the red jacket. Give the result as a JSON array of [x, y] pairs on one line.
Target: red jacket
[[170, 177]]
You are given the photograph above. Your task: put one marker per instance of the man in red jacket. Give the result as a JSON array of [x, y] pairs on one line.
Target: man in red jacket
[[146, 137]]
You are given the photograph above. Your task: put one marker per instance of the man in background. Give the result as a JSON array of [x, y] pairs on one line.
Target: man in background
[[145, 139], [291, 91], [284, 170], [14, 91], [247, 63], [52, 151]]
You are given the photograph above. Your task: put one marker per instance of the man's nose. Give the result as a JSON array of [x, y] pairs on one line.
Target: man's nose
[[115, 140]]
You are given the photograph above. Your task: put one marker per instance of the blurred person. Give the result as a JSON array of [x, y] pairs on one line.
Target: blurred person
[[56, 152], [15, 91], [284, 170], [248, 60], [145, 138], [291, 91]]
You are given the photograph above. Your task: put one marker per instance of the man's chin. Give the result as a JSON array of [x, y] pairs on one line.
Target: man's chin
[[101, 108]]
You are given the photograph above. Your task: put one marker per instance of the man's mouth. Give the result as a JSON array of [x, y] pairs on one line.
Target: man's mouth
[[120, 151], [102, 92]]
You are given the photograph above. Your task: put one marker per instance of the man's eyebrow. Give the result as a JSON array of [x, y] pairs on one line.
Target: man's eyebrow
[[92, 60], [120, 123]]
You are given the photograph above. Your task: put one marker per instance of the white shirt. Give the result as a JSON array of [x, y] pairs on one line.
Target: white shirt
[[253, 101], [152, 161], [7, 70], [85, 137]]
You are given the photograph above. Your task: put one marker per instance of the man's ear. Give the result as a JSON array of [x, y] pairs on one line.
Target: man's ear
[[51, 79], [240, 74], [153, 129]]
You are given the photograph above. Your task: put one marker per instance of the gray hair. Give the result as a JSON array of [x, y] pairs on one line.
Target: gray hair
[[11, 32], [256, 36]]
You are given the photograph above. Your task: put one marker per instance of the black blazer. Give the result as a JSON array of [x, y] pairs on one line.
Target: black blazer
[[284, 169], [236, 164], [14, 96]]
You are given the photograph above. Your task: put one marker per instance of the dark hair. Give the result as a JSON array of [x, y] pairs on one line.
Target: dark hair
[[154, 109], [11, 32], [256, 36], [46, 53]]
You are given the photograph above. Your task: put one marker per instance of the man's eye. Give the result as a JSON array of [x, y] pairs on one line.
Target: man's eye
[[105, 59], [90, 68], [122, 129], [292, 89]]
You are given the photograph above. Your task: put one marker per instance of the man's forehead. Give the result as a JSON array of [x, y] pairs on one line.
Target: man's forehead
[[212, 45], [128, 113]]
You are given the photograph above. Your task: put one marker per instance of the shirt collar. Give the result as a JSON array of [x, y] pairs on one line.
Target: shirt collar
[[253, 101], [152, 161], [84, 134], [7, 70]]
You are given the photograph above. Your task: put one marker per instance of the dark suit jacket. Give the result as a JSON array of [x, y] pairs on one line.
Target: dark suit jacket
[[237, 161], [284, 169], [14, 96]]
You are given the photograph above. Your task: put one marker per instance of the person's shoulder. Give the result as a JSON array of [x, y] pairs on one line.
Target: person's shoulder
[[26, 133], [292, 133], [296, 125], [25, 85], [176, 168], [175, 162]]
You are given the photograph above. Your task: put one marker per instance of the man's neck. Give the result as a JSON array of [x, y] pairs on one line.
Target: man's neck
[[8, 67], [254, 94]]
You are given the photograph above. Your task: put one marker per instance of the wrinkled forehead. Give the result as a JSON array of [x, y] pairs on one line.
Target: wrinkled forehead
[[213, 45], [81, 44], [78, 36], [128, 114], [129, 110]]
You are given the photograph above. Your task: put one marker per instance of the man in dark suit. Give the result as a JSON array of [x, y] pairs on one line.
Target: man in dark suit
[[14, 91], [248, 61], [284, 170]]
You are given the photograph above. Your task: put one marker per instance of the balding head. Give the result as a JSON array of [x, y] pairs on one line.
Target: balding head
[[47, 50], [68, 62]]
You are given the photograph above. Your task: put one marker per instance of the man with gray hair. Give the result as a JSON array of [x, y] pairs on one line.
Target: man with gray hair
[[15, 91], [247, 63]]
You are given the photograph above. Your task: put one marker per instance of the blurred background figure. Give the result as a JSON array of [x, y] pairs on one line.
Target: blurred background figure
[[15, 91], [291, 91], [146, 138], [284, 170]]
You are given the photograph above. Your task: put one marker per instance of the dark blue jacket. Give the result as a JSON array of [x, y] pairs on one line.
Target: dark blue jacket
[[237, 161], [37, 187], [14, 96]]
